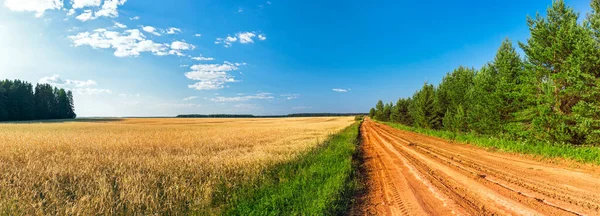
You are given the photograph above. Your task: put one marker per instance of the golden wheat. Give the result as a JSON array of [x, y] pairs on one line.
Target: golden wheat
[[147, 166]]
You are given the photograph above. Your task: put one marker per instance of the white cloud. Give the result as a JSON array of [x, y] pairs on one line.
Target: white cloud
[[91, 91], [81, 87], [151, 30], [246, 37], [85, 3], [198, 35], [242, 37], [190, 98], [181, 45], [259, 96], [38, 6], [290, 96], [341, 90], [109, 8], [173, 30], [211, 76], [57, 81], [85, 16], [240, 9], [135, 18], [129, 43], [184, 65], [120, 25], [201, 58], [262, 37], [226, 41], [71, 12]]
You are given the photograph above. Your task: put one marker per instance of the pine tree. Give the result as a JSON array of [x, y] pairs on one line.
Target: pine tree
[[71, 107], [562, 68], [379, 110], [387, 111], [395, 115], [452, 92], [485, 105], [3, 103], [423, 110]]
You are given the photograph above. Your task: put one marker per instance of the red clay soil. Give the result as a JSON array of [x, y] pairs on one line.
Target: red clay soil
[[413, 174]]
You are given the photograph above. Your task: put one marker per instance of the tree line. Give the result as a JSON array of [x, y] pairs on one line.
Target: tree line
[[269, 116], [20, 101], [551, 94]]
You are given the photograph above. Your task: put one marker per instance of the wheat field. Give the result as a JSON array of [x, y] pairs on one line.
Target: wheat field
[[144, 166]]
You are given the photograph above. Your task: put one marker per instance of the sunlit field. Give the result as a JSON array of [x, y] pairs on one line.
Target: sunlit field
[[153, 166]]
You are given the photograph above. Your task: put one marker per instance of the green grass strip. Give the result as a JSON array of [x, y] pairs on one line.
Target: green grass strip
[[323, 182], [582, 154]]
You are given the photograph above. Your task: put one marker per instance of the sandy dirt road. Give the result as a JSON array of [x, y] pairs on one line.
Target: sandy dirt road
[[413, 174]]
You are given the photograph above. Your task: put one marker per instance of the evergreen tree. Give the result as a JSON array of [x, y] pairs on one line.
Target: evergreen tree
[[3, 103], [485, 104], [63, 104], [403, 111], [453, 92], [562, 68], [71, 107], [379, 110], [387, 112], [423, 110], [395, 115]]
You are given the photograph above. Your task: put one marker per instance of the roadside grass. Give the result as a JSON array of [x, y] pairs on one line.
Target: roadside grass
[[322, 182], [582, 154]]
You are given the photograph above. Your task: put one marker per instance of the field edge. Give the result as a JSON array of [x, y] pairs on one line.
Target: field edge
[[323, 181]]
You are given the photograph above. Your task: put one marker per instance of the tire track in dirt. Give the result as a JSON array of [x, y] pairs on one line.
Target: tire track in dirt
[[431, 176]]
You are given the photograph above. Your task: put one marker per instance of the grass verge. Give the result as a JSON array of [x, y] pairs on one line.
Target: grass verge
[[582, 154], [323, 182]]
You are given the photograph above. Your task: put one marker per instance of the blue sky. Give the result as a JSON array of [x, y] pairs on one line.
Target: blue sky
[[142, 57]]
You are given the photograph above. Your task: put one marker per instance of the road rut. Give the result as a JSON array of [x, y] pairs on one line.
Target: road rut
[[413, 174]]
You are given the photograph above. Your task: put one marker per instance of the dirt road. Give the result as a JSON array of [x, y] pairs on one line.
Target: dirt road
[[412, 174]]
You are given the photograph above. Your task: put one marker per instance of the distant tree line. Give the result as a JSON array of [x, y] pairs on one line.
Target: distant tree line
[[552, 94], [19, 101], [269, 116]]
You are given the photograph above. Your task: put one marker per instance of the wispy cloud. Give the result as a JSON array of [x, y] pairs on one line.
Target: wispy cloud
[[242, 37], [259, 96], [201, 58], [81, 87], [290, 96], [341, 90], [173, 30], [190, 98]]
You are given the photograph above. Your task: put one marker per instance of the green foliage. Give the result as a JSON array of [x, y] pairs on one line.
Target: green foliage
[[563, 65], [400, 112], [552, 95], [387, 112], [452, 93], [423, 110], [321, 182], [372, 113], [486, 103], [19, 102], [379, 110]]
